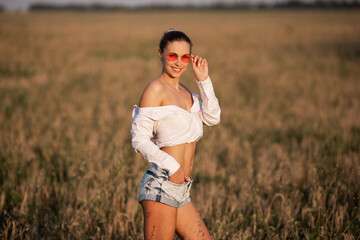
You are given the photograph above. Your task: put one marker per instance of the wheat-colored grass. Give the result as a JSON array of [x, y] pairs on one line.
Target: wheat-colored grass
[[283, 163]]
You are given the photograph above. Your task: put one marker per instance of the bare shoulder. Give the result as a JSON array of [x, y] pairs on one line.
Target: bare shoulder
[[153, 94]]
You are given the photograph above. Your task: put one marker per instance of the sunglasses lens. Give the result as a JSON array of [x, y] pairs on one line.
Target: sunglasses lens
[[171, 57], [185, 58]]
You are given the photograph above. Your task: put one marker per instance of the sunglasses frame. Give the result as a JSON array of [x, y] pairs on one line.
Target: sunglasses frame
[[172, 57]]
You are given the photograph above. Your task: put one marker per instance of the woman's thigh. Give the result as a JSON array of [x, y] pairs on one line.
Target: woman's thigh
[[189, 224], [159, 220]]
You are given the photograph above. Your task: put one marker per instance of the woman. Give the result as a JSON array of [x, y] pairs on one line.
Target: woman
[[169, 113]]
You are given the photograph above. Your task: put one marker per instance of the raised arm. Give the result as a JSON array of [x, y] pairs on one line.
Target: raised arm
[[210, 109]]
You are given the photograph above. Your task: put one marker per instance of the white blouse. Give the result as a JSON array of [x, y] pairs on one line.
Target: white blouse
[[171, 125]]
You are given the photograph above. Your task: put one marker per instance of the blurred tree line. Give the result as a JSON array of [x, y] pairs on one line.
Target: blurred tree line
[[219, 5]]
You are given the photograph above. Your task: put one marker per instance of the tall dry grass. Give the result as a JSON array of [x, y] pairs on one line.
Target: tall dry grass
[[283, 163]]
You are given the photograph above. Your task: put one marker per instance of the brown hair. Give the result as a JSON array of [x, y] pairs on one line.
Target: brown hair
[[172, 35]]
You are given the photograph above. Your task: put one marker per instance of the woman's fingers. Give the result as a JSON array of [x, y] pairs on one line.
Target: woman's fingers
[[204, 62], [193, 60], [200, 67], [198, 61]]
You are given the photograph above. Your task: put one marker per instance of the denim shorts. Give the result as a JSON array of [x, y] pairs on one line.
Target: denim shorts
[[156, 186]]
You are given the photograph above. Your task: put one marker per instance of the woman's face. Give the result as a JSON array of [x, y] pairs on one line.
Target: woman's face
[[175, 58]]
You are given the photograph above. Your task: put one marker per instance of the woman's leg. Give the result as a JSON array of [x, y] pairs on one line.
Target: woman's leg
[[159, 220], [189, 224]]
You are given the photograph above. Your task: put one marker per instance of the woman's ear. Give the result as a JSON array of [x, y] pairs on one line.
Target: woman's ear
[[160, 54]]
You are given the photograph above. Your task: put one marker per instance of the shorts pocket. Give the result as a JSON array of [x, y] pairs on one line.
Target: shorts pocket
[[175, 184], [177, 192]]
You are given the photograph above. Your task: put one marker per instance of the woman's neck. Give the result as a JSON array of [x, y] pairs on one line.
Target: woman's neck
[[170, 81]]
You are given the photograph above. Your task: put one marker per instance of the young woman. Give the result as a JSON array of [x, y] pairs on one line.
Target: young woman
[[170, 114]]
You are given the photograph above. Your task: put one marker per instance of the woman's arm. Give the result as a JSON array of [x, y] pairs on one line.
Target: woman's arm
[[141, 134], [143, 127], [210, 110]]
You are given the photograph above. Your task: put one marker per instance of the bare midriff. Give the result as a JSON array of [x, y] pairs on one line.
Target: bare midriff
[[184, 155]]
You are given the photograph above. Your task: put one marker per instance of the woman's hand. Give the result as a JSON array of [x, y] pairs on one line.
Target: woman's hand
[[179, 176], [200, 68]]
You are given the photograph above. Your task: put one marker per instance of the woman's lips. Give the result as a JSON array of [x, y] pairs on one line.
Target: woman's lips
[[176, 69]]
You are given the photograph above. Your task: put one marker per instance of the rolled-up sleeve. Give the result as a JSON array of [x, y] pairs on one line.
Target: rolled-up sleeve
[[141, 134], [210, 108]]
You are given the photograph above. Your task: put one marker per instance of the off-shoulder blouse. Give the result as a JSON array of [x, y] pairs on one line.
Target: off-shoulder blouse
[[171, 125]]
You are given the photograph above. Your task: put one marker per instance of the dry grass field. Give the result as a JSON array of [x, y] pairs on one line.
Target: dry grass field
[[283, 163]]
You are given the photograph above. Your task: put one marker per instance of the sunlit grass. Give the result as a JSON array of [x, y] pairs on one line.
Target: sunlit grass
[[283, 163]]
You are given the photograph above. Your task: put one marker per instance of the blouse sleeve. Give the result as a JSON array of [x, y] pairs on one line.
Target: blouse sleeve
[[210, 108], [141, 134]]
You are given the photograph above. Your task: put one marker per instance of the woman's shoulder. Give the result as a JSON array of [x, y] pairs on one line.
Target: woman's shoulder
[[152, 95]]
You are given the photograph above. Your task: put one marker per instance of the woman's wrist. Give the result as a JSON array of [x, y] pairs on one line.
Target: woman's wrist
[[201, 79]]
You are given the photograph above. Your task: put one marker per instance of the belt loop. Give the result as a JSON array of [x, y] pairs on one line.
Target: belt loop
[[158, 198]]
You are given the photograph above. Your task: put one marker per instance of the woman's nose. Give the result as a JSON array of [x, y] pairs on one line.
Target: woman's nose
[[178, 62]]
